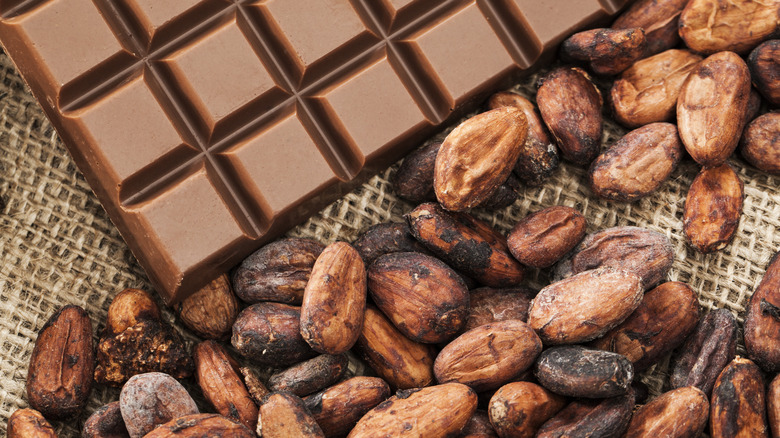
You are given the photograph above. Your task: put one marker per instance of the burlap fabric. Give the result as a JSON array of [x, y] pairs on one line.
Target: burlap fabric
[[58, 247]]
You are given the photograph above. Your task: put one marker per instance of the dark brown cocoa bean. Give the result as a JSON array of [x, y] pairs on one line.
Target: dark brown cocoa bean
[[400, 361], [493, 305], [310, 376], [270, 334], [764, 63], [201, 425], [338, 408], [711, 346], [713, 208], [105, 422], [659, 20], [518, 409], [386, 238], [539, 157], [680, 413], [29, 423], [284, 415], [474, 249], [710, 26], [152, 399], [762, 320], [571, 108], [59, 378], [609, 51], [664, 318], [637, 164], [576, 371], [641, 391], [759, 142], [542, 238], [773, 406], [606, 418], [585, 306], [646, 253], [738, 408], [488, 356], [478, 427], [504, 196], [414, 179], [278, 271], [425, 299]]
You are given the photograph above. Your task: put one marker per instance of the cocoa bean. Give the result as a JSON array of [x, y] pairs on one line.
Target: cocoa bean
[[414, 179], [386, 238], [270, 334], [284, 415], [710, 26], [658, 18], [201, 425], [278, 271], [517, 409], [576, 371], [713, 208], [708, 350], [310, 376], [753, 107], [128, 308], [609, 51], [29, 423], [738, 408], [607, 418], [105, 422], [542, 238], [773, 406], [762, 320], [59, 378], [494, 305], [211, 311], [504, 196], [423, 297], [585, 306], [711, 107], [435, 412], [152, 399], [680, 413], [664, 318], [254, 385], [478, 427], [338, 408], [764, 64], [759, 142]]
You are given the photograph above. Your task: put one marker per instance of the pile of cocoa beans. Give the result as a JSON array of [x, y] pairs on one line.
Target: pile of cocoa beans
[[434, 309]]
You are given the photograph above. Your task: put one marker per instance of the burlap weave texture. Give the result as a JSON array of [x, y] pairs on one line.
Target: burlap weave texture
[[58, 247]]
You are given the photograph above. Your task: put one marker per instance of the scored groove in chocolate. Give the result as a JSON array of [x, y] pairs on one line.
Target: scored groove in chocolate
[[159, 100]]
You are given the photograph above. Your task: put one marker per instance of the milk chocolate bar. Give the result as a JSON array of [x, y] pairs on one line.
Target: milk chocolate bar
[[210, 127]]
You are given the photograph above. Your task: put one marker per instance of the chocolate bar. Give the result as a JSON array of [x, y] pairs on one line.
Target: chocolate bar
[[209, 127]]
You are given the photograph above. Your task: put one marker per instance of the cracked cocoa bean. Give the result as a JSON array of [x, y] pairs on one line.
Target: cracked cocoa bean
[[737, 408], [270, 334], [607, 418], [542, 238], [710, 26], [608, 51], [762, 320], [576, 371], [713, 208], [680, 413], [310, 376], [518, 409], [338, 408]]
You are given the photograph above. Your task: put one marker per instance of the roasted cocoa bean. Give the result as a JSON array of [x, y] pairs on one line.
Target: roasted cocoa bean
[[284, 415], [711, 346], [29, 423], [713, 208], [152, 399], [270, 334], [334, 300], [773, 406], [478, 427], [278, 271], [646, 253], [585, 306], [680, 413], [542, 238], [738, 408], [338, 408], [760, 140], [664, 318], [710, 26], [517, 409], [571, 108], [402, 362], [711, 107], [764, 64], [467, 244], [201, 425], [753, 107], [254, 385], [105, 422], [576, 371], [539, 156], [211, 311], [310, 376], [504, 196], [488, 356], [386, 238], [607, 418], [414, 179], [647, 92], [762, 320], [128, 308], [219, 379], [435, 412], [609, 51], [493, 305], [59, 377], [425, 299], [658, 18], [637, 164], [477, 157]]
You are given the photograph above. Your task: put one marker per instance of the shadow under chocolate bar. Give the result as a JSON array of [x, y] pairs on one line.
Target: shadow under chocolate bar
[[209, 127]]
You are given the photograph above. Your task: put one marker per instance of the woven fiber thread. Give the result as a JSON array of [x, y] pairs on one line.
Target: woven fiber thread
[[58, 247]]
